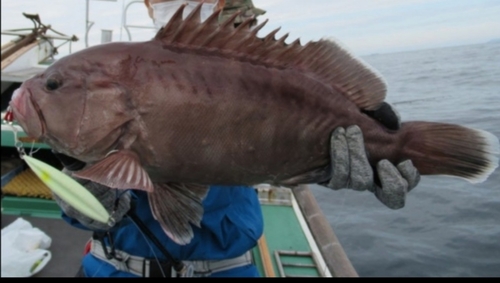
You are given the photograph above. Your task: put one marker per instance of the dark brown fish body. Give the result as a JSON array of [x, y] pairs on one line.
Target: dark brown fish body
[[241, 124], [203, 104]]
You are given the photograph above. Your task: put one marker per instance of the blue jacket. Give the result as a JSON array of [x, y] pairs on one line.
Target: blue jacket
[[231, 225]]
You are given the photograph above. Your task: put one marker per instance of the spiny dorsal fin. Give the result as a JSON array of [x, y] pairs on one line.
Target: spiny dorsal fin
[[325, 60]]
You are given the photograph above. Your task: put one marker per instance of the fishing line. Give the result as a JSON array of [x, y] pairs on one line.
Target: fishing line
[[149, 245], [17, 143], [103, 262], [101, 265], [32, 146], [8, 119], [177, 264]]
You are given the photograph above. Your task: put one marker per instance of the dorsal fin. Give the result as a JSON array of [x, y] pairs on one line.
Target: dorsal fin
[[325, 60]]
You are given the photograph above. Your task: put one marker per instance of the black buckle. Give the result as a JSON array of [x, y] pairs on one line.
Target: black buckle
[[109, 254], [159, 269]]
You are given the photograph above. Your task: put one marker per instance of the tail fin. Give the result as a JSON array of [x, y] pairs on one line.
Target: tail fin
[[444, 149]]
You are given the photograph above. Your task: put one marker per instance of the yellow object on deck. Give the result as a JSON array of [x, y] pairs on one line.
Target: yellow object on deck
[[265, 257], [27, 184]]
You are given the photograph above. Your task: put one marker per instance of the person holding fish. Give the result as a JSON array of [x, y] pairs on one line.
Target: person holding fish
[[220, 244]]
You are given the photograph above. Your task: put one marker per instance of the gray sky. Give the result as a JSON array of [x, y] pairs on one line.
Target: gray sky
[[365, 26]]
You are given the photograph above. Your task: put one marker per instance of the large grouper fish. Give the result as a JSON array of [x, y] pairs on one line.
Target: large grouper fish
[[210, 103]]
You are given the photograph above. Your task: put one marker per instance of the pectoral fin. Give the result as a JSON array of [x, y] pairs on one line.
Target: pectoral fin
[[175, 206], [317, 175], [119, 170]]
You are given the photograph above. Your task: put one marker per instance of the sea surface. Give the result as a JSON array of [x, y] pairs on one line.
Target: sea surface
[[448, 227]]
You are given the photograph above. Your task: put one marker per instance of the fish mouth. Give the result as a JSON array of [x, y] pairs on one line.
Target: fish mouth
[[27, 112]]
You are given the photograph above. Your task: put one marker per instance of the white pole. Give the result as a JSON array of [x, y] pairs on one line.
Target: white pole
[[89, 24]]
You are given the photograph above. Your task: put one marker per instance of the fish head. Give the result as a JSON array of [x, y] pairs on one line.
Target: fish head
[[78, 105]]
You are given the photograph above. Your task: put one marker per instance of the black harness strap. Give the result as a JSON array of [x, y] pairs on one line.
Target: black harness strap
[[177, 264]]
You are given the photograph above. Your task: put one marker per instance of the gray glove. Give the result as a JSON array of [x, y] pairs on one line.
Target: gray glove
[[106, 195], [351, 169]]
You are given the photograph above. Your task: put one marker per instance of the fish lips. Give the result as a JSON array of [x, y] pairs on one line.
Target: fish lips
[[27, 113]]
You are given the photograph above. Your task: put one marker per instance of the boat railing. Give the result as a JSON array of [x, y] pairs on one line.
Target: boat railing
[[127, 26], [27, 36]]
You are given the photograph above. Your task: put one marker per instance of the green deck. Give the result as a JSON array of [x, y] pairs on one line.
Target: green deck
[[8, 140], [284, 233], [25, 206]]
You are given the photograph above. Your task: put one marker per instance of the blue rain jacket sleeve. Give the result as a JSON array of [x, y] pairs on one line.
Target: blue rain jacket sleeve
[[231, 225]]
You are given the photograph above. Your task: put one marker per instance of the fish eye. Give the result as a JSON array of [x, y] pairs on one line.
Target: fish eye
[[52, 84]]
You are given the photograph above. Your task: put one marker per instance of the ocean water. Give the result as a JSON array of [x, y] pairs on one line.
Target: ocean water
[[448, 227]]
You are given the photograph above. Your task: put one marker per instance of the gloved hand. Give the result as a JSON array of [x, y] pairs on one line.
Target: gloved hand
[[351, 168], [107, 196]]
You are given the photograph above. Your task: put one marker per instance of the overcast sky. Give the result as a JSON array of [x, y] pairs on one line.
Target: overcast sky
[[365, 26]]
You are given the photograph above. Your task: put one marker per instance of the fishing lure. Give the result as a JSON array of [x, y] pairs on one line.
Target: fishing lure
[[61, 184]]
